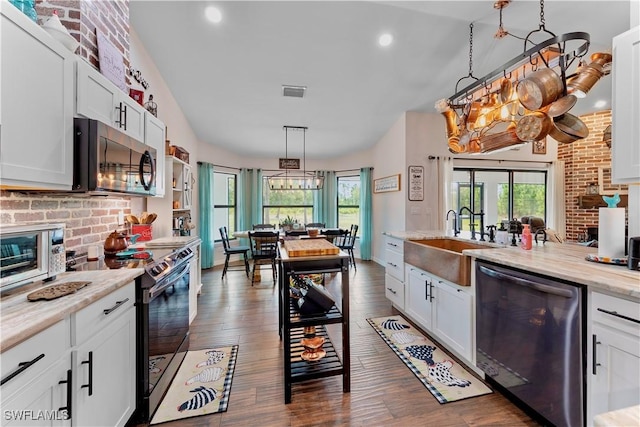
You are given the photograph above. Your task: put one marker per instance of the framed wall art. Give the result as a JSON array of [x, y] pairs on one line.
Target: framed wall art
[[386, 184], [539, 147], [416, 183]]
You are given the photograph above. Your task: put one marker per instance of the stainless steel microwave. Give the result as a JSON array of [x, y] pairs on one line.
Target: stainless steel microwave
[[29, 253], [109, 161]]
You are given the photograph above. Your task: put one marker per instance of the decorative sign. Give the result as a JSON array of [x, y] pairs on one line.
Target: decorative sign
[[289, 163], [539, 147], [111, 65], [416, 183], [386, 184]]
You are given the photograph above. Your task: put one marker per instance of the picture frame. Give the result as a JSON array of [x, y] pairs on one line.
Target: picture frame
[[415, 183], [539, 147], [386, 184]]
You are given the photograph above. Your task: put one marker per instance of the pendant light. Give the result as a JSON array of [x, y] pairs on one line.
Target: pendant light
[[292, 181]]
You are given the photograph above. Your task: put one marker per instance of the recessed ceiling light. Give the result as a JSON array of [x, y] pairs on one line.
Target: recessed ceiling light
[[213, 14], [600, 104], [385, 40]]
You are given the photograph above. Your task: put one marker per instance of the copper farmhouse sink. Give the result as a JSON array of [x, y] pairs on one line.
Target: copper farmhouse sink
[[442, 257]]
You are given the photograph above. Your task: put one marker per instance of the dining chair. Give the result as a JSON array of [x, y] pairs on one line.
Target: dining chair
[[233, 250], [295, 232], [264, 249], [347, 243], [264, 227], [315, 225], [331, 234]]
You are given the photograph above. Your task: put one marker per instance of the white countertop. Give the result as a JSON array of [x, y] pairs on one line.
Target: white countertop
[[168, 242], [620, 418], [21, 319], [563, 261]]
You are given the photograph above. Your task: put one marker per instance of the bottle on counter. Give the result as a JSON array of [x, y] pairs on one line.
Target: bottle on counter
[[526, 237]]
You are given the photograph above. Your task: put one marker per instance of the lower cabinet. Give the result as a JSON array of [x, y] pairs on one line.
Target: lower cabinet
[[443, 309], [105, 362], [615, 354], [394, 290]]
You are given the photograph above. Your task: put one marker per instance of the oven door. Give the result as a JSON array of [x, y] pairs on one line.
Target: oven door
[[164, 327]]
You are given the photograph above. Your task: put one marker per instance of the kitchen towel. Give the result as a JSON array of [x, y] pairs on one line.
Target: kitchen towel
[[611, 232], [445, 378], [201, 386]]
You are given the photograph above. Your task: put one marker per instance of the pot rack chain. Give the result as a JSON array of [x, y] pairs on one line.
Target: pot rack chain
[[470, 75]]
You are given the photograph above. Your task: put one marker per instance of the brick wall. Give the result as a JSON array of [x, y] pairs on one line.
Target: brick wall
[[582, 160], [88, 220], [83, 17]]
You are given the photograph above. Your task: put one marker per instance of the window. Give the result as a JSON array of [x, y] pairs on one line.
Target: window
[[278, 204], [224, 201], [348, 201], [500, 194]]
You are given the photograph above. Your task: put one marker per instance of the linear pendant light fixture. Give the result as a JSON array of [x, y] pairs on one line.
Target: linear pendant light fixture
[[295, 181]]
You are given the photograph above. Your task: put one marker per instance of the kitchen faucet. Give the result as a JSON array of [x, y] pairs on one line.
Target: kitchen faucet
[[455, 223], [472, 216]]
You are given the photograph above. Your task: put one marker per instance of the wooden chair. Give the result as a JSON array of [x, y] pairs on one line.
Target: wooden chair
[[295, 232], [233, 250], [347, 242], [331, 234], [264, 249], [264, 227], [315, 225]]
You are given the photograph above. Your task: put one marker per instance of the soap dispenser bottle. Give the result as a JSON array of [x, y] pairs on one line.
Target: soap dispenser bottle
[[526, 237]]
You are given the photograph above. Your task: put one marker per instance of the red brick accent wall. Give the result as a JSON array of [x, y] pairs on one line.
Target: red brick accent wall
[[582, 160], [83, 17], [88, 220]]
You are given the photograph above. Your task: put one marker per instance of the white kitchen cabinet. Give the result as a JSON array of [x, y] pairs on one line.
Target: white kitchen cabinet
[[452, 317], [104, 360], [36, 149], [419, 296], [98, 98], [154, 136], [625, 129], [195, 280], [394, 271], [614, 364], [443, 309]]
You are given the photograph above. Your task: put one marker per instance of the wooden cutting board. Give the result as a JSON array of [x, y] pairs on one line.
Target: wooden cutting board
[[310, 247], [56, 291]]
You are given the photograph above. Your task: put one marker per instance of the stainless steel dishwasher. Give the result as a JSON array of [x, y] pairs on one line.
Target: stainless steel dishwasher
[[529, 335]]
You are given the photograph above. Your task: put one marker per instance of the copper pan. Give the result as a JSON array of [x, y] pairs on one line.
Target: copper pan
[[534, 126], [491, 142], [568, 128], [562, 105], [506, 90]]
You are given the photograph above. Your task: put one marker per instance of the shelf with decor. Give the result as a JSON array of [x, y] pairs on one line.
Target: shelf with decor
[[182, 194]]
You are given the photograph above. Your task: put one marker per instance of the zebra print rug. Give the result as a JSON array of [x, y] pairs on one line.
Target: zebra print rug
[[201, 386], [446, 379]]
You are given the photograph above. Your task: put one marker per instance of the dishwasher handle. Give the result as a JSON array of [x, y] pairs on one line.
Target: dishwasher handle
[[528, 283]]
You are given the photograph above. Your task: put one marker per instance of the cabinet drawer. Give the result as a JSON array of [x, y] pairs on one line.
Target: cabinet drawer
[[89, 320], [395, 245], [616, 312], [42, 349], [394, 290], [395, 264]]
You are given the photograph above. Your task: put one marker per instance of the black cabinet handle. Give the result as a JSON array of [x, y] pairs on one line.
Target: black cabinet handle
[[23, 366], [69, 392], [615, 313], [125, 117], [115, 307], [594, 361], [392, 291], [392, 264], [426, 289], [119, 122], [89, 385]]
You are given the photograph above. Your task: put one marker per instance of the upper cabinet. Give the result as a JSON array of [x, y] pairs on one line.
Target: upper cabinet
[[36, 132], [154, 136], [98, 98], [625, 131]]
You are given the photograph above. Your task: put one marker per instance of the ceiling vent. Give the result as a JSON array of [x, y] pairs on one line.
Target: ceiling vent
[[294, 91]]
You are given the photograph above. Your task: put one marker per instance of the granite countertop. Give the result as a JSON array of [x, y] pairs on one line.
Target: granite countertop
[[168, 242], [21, 319], [563, 261]]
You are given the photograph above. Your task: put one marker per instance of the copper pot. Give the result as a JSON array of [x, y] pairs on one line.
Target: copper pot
[[533, 126], [541, 88], [495, 141], [568, 128], [115, 243]]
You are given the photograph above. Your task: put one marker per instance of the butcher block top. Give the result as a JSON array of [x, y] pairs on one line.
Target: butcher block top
[[310, 247]]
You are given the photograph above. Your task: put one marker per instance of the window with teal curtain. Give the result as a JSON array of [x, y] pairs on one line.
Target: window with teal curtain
[[325, 200], [205, 211], [249, 198], [366, 221]]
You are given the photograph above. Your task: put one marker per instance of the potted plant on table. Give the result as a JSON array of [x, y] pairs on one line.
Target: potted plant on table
[[287, 224]]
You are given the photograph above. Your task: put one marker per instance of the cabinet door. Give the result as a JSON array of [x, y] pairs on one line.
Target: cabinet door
[[44, 401], [105, 374], [419, 297], [154, 136], [394, 290], [625, 129], [617, 369], [452, 317], [37, 113], [187, 194], [134, 116]]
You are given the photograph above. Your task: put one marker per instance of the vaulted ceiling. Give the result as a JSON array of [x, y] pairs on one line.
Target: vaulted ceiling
[[228, 77]]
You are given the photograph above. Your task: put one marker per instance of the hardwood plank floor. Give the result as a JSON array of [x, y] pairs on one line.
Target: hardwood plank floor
[[383, 390]]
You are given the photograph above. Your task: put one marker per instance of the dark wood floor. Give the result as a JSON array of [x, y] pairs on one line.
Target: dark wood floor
[[383, 390]]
